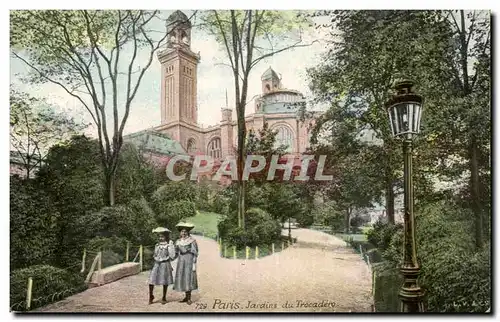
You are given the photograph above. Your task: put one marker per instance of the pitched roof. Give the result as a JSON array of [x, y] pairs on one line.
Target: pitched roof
[[268, 74], [179, 16], [155, 142]]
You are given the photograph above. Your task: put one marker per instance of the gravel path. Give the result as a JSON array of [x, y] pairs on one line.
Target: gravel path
[[318, 274]]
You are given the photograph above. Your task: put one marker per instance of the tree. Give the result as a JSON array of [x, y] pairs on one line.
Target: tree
[[94, 56], [135, 176], [470, 67], [34, 126], [369, 50], [248, 37], [71, 178], [263, 144]]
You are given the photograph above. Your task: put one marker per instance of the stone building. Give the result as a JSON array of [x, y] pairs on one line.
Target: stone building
[[179, 112]]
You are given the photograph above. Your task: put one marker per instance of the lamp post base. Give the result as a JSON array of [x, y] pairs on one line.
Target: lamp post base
[[411, 294]]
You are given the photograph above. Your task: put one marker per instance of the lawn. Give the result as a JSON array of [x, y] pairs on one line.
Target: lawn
[[355, 237], [205, 223]]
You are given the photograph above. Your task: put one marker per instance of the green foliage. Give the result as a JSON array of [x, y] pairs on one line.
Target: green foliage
[[456, 277], [174, 212], [173, 202], [387, 284], [35, 125], [327, 214], [135, 176], [450, 266], [72, 180], [114, 244], [176, 191], [260, 229], [33, 225], [276, 25], [381, 234], [49, 283]]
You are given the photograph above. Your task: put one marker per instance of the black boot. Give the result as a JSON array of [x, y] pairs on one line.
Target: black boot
[[188, 295], [185, 299], [151, 296], [164, 298]]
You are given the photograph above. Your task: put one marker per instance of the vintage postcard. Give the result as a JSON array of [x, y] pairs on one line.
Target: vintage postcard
[[240, 161]]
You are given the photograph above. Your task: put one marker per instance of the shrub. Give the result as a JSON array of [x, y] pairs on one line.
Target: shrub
[[49, 284], [381, 234], [306, 219], [219, 204], [144, 222], [147, 258], [260, 229], [387, 282], [33, 225], [175, 212], [454, 275]]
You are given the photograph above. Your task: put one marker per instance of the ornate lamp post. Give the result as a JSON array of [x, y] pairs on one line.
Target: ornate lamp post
[[405, 111]]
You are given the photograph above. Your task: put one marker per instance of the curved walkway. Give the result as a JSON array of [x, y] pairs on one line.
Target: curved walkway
[[319, 273]]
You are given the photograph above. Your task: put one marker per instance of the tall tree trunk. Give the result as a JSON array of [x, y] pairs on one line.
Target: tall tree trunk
[[109, 186], [347, 218], [241, 165], [389, 198], [474, 190]]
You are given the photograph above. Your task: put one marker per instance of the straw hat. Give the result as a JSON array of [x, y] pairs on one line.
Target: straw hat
[[161, 230], [184, 225]]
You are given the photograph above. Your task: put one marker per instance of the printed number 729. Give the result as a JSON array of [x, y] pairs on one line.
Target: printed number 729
[[201, 306]]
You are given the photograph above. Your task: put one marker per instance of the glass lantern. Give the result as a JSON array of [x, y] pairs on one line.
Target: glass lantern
[[405, 110]]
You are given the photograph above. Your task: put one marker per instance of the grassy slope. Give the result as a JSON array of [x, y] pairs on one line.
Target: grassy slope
[[205, 223]]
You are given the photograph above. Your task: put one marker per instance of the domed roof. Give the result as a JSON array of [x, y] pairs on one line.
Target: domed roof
[[178, 15], [269, 74]]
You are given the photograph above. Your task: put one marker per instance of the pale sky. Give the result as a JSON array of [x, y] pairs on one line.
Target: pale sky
[[213, 80]]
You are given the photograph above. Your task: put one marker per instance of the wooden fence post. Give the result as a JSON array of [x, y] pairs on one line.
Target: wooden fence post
[[84, 257], [127, 253], [287, 243], [282, 245], [256, 252], [247, 252], [29, 293], [225, 250], [272, 248], [99, 268], [140, 256], [234, 252]]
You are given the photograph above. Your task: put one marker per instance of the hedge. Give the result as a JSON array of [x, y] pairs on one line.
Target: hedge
[[50, 284]]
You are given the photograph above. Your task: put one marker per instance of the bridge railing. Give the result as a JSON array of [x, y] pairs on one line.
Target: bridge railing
[[36, 289]]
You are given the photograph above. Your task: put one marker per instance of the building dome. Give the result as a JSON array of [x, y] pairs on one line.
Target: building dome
[[178, 16], [269, 74]]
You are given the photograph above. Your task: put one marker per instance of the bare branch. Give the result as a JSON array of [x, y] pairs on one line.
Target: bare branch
[[224, 36], [57, 83], [296, 45]]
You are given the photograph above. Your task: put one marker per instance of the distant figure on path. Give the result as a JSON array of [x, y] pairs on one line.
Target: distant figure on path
[[187, 250], [161, 273]]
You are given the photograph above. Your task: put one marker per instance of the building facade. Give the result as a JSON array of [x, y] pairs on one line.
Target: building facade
[[179, 113]]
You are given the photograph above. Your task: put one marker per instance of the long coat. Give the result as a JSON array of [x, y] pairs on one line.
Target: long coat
[[161, 273], [185, 278]]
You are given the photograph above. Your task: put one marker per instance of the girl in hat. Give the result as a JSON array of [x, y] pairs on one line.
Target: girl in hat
[[161, 273], [185, 275]]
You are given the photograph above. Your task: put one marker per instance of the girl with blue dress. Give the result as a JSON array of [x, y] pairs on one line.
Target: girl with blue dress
[[161, 273]]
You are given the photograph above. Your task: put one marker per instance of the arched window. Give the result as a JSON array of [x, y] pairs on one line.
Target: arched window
[[191, 146], [284, 137], [214, 148]]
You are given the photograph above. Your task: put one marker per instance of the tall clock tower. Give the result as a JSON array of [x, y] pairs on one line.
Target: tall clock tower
[[178, 74]]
